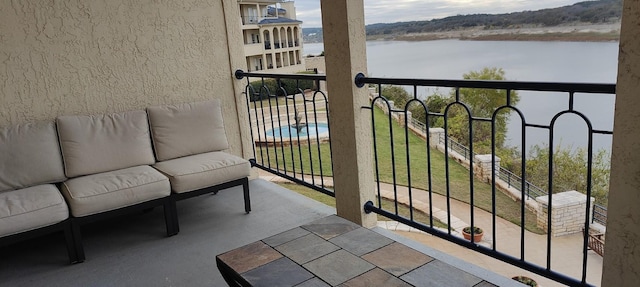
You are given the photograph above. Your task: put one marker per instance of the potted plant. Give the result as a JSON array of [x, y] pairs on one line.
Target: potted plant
[[525, 280], [477, 233]]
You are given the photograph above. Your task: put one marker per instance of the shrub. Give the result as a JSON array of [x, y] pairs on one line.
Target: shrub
[[262, 89], [476, 230]]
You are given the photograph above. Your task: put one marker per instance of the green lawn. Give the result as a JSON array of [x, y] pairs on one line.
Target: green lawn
[[309, 158]]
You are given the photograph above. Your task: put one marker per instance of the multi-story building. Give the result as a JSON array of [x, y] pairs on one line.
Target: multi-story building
[[272, 36]]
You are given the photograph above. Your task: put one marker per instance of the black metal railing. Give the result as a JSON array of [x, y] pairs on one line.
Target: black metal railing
[[505, 175], [397, 154], [599, 214], [515, 181], [251, 20], [512, 180], [289, 119]]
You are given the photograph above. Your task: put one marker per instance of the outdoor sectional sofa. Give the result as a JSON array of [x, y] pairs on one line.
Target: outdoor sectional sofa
[[81, 169]]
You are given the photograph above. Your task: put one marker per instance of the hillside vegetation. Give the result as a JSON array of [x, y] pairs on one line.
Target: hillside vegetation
[[582, 13], [591, 12]]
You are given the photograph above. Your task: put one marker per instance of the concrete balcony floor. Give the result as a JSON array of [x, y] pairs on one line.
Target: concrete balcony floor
[[134, 251]]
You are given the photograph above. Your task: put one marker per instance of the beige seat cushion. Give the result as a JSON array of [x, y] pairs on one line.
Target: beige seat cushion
[[31, 208], [187, 129], [112, 190], [203, 170], [102, 143], [29, 156]]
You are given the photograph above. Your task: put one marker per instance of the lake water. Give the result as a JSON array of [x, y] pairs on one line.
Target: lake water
[[583, 62]]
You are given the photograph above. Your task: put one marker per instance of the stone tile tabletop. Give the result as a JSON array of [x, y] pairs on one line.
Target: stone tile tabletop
[[335, 252]]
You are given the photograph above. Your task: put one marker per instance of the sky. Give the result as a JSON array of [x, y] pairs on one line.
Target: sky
[[390, 11]]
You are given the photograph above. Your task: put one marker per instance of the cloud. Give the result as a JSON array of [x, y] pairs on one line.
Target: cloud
[[390, 11]]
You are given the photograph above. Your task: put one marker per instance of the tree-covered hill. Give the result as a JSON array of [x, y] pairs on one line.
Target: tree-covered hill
[[592, 12], [588, 12]]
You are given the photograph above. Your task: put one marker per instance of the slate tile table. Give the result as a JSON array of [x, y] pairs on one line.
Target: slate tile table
[[335, 252]]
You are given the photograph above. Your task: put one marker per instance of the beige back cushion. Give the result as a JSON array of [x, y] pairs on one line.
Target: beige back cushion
[[29, 156], [101, 143], [187, 129]]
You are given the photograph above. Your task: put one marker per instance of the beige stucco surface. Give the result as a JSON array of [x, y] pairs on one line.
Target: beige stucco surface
[[351, 150], [91, 57], [622, 249], [316, 63]]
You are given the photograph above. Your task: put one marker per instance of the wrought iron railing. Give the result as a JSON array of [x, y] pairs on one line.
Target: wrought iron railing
[[399, 154], [505, 175], [599, 214], [272, 101], [514, 181], [289, 119]]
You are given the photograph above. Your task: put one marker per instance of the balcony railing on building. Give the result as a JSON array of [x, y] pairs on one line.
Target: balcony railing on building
[[276, 102], [254, 20]]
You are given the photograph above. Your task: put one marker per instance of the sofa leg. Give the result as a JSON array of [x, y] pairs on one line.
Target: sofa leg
[[247, 200], [77, 241], [171, 217], [71, 247]]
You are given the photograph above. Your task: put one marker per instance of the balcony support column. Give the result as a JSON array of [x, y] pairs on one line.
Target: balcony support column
[[621, 260], [237, 60], [350, 126]]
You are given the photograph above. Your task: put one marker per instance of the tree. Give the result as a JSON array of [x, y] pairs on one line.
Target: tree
[[570, 170], [398, 95], [481, 103], [435, 104], [259, 88]]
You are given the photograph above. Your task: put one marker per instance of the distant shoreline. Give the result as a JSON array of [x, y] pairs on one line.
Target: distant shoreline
[[570, 33]]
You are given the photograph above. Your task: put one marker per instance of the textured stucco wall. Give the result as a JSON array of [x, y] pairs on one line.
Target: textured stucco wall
[[315, 63], [89, 57], [622, 248], [351, 149]]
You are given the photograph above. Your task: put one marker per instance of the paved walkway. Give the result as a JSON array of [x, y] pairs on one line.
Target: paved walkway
[[566, 250]]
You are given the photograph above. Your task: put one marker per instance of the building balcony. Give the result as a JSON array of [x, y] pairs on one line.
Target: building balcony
[[195, 60], [254, 20], [214, 224], [253, 49]]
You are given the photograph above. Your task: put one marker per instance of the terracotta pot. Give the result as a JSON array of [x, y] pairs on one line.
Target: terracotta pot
[[477, 237], [526, 281]]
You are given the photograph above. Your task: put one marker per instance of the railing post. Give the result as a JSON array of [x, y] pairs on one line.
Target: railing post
[[484, 165], [568, 212], [435, 136], [350, 126]]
